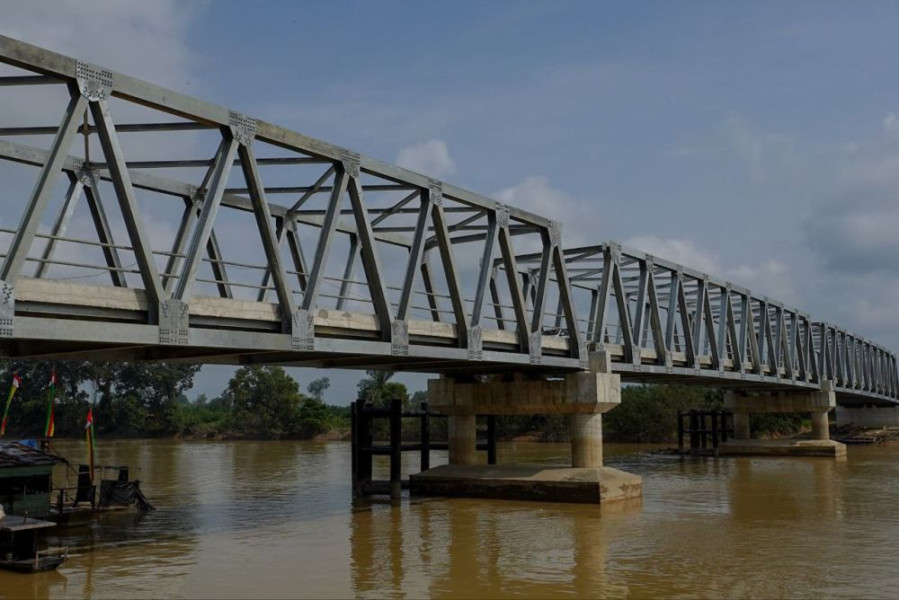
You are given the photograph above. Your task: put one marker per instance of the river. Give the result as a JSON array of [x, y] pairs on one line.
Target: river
[[275, 519]]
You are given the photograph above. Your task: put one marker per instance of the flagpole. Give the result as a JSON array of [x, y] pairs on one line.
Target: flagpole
[[16, 382], [50, 427], [91, 441]]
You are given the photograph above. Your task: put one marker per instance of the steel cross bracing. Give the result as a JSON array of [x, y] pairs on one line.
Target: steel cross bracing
[[661, 321], [290, 250]]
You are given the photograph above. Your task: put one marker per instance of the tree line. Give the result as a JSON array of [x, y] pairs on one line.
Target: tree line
[[265, 402], [148, 400]]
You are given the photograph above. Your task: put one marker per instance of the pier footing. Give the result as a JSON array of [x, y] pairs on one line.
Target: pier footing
[[827, 448], [529, 482]]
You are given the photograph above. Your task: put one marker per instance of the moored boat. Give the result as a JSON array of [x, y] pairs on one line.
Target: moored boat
[[19, 546]]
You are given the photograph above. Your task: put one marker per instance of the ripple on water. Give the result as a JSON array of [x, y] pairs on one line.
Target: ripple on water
[[276, 520]]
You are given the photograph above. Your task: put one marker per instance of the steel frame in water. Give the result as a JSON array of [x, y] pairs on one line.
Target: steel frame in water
[[656, 320]]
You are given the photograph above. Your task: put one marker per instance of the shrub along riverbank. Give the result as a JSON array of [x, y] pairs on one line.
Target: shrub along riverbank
[[263, 402]]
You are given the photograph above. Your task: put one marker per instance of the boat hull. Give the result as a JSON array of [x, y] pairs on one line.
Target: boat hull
[[30, 565]]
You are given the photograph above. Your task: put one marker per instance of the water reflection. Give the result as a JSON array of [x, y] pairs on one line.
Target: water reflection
[[276, 520], [484, 549]]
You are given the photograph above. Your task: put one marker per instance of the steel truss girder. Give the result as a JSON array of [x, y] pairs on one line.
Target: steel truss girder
[[712, 327], [653, 318]]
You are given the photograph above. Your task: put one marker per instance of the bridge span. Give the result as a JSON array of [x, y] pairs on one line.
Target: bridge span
[[142, 224]]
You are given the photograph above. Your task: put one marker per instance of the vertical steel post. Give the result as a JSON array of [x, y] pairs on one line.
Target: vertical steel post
[[715, 432], [694, 432], [425, 437], [396, 455], [363, 447], [491, 439], [354, 446]]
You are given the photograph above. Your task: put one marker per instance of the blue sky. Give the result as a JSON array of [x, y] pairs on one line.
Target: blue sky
[[757, 141]]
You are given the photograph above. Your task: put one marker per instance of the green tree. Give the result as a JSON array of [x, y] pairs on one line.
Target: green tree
[[378, 390], [158, 386], [264, 402], [318, 387], [648, 413], [28, 412], [418, 398], [314, 418]]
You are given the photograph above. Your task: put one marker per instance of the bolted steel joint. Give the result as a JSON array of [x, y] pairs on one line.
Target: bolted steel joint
[[503, 213], [174, 323], [243, 128], [615, 252], [350, 162], [475, 343], [399, 338], [94, 83], [535, 347], [302, 334], [7, 309], [555, 233], [435, 189]]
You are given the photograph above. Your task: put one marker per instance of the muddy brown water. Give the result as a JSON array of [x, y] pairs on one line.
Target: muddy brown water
[[273, 520]]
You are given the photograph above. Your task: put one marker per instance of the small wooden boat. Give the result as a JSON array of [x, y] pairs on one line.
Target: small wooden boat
[[115, 493], [19, 546], [33, 565]]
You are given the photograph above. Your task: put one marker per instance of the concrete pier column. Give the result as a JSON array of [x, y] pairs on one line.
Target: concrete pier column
[[586, 440], [741, 425], [820, 426], [462, 433], [816, 402]]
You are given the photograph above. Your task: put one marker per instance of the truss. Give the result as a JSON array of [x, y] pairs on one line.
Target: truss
[[664, 321], [286, 249]]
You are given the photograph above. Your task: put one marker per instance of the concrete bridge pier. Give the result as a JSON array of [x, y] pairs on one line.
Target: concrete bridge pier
[[462, 437], [583, 397], [817, 403], [586, 440]]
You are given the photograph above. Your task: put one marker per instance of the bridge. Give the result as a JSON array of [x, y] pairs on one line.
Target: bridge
[[290, 250]]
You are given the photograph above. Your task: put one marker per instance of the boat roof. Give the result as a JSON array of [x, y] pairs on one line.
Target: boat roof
[[14, 454], [15, 524]]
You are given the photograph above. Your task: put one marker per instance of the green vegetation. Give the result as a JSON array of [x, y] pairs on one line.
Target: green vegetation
[[264, 402], [647, 414], [147, 400]]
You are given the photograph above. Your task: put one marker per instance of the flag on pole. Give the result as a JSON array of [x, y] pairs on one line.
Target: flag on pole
[[91, 441], [50, 429], [16, 382]]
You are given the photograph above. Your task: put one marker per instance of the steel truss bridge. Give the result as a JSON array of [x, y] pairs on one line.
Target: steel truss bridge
[[290, 250]]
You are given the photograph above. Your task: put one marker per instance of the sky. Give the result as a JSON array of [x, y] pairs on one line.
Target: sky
[[758, 141]]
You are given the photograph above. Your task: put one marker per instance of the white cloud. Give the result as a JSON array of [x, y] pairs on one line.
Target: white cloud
[[891, 124], [852, 226], [146, 39], [771, 277], [580, 219], [766, 155], [430, 158], [680, 251]]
